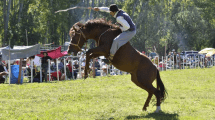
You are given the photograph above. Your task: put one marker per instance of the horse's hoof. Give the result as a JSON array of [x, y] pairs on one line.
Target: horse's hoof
[[157, 111], [144, 109], [85, 76]]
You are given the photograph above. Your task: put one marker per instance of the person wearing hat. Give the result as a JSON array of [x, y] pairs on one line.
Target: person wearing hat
[[126, 25]]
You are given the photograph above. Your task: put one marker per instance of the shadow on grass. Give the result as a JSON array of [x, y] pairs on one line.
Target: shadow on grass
[[156, 116]]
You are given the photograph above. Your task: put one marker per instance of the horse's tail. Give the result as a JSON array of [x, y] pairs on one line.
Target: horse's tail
[[161, 87]]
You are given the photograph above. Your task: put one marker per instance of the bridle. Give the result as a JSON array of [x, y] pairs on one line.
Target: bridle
[[81, 34]]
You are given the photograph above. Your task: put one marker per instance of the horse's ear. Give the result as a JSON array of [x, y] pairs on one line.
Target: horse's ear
[[76, 28]]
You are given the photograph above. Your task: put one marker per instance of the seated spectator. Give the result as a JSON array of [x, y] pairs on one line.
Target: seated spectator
[[104, 70], [53, 66]]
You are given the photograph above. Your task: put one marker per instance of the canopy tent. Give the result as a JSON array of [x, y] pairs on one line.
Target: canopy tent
[[206, 50], [20, 52], [210, 54], [56, 53], [4, 48]]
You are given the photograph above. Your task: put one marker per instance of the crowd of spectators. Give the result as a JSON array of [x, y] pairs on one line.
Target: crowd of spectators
[[175, 60], [75, 67]]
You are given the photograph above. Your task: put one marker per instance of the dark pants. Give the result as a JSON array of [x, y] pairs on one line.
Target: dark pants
[[75, 73], [45, 68]]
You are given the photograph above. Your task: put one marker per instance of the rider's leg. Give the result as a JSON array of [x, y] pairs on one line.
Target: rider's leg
[[119, 41]]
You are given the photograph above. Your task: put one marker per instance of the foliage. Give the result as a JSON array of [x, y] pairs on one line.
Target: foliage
[[161, 24]]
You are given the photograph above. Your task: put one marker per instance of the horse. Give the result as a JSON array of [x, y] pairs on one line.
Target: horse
[[127, 59]]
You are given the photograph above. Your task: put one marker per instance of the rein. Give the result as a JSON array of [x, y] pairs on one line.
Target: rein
[[102, 34], [81, 34]]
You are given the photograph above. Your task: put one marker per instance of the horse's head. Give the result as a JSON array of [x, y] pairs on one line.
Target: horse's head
[[77, 38]]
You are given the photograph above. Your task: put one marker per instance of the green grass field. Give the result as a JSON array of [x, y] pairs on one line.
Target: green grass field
[[191, 95]]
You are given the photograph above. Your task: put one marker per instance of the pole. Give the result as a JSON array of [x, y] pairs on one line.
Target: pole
[[49, 69], [57, 69], [40, 71], [183, 62], [64, 60], [31, 71], [26, 36], [198, 62], [72, 69], [166, 62], [173, 62], [80, 75], [9, 64], [100, 67], [162, 63], [20, 71]]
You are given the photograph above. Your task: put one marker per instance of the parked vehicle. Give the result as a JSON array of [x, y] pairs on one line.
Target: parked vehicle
[[152, 55]]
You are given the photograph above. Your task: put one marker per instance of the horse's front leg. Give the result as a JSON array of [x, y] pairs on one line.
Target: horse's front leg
[[92, 53]]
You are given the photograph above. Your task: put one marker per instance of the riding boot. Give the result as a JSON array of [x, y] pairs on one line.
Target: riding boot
[[110, 59]]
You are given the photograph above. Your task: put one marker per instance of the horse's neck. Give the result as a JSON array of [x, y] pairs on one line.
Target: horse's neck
[[96, 34], [111, 33]]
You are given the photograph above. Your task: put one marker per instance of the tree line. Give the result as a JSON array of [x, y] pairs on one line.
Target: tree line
[[162, 25]]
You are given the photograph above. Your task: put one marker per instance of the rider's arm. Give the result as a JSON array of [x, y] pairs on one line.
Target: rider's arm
[[104, 9], [125, 26]]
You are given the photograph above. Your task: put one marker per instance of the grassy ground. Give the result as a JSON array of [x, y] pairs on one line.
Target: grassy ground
[[190, 96]]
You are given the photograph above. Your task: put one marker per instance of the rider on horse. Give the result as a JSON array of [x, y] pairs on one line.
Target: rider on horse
[[126, 25]]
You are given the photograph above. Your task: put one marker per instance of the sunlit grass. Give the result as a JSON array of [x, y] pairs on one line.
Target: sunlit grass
[[190, 96]]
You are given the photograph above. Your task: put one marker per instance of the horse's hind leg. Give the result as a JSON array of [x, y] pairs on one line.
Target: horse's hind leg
[[146, 87], [146, 81], [147, 101]]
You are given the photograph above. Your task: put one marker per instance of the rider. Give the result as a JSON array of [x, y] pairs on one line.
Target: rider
[[126, 25]]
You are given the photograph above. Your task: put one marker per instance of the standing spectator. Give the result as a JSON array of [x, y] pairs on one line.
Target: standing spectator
[[82, 58], [83, 67], [45, 64], [61, 65], [97, 65], [76, 66], [155, 61], [179, 60], [70, 66], [175, 60]]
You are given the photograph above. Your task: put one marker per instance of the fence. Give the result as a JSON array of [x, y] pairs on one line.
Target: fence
[[163, 64], [168, 63]]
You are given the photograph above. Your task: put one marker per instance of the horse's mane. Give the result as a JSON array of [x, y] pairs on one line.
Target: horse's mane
[[95, 23], [100, 22]]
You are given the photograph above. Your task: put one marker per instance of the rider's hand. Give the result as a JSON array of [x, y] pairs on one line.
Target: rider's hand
[[117, 27], [96, 9]]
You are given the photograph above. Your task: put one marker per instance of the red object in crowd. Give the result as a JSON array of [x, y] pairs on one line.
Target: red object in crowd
[[70, 68], [54, 74], [56, 53]]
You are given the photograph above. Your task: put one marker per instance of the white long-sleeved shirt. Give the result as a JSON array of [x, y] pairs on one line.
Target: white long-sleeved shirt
[[125, 26]]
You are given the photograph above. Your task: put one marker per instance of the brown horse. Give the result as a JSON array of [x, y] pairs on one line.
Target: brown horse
[[128, 59]]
